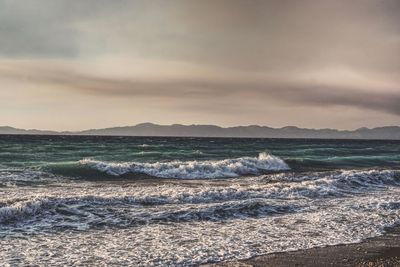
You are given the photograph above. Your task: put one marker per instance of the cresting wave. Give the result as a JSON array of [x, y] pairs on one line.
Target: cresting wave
[[193, 169], [174, 203], [80, 212]]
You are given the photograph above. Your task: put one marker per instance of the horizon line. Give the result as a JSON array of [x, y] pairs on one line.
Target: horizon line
[[193, 124]]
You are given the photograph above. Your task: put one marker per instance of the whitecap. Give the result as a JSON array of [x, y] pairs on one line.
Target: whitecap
[[194, 169]]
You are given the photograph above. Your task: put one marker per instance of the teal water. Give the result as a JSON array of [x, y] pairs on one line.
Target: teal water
[[112, 201], [63, 154]]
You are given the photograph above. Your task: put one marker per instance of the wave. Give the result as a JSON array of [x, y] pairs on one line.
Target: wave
[[99, 212], [334, 184], [208, 169], [144, 145], [14, 177], [176, 203]]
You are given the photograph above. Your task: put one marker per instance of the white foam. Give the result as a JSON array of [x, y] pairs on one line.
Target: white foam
[[143, 145], [193, 169], [21, 210], [181, 224], [279, 186], [21, 177]]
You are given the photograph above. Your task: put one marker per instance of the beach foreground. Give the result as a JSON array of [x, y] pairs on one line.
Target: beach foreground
[[380, 251]]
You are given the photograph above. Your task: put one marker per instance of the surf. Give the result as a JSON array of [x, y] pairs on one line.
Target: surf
[[208, 169]]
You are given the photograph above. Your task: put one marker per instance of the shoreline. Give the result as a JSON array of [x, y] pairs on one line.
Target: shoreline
[[376, 251]]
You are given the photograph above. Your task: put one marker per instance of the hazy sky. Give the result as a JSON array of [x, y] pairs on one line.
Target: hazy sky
[[69, 65]]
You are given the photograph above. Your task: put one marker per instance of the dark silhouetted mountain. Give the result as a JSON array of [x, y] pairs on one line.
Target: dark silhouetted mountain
[[150, 129]]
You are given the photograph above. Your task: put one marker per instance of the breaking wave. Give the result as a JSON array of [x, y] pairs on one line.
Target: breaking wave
[[193, 169], [100, 212], [172, 203]]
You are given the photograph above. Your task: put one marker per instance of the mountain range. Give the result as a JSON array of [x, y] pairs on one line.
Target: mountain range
[[150, 129]]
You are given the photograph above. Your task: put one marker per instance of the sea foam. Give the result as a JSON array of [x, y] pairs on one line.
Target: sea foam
[[178, 224], [250, 199], [193, 169]]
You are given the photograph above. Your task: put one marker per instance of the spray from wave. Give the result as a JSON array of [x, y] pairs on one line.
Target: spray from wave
[[193, 169]]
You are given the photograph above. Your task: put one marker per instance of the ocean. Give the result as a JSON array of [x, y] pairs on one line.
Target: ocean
[[145, 201]]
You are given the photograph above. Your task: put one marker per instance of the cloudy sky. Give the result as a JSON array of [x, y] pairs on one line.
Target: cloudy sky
[[70, 65]]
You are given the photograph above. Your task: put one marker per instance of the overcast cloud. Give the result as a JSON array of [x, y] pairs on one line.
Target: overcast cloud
[[337, 62]]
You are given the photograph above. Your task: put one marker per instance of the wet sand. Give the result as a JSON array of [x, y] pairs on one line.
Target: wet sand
[[383, 251]]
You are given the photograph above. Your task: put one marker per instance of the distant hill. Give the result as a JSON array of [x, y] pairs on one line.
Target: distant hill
[[11, 130], [150, 129]]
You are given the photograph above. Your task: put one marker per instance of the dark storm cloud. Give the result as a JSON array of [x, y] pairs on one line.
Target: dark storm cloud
[[298, 93]]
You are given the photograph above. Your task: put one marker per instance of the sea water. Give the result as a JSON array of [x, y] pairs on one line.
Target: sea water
[[142, 201]]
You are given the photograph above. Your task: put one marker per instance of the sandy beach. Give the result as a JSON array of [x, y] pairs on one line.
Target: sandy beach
[[382, 251]]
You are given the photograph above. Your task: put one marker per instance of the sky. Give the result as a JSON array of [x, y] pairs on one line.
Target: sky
[[74, 65]]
